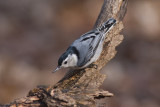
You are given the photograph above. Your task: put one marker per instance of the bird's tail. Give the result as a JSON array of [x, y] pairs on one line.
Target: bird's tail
[[105, 27]]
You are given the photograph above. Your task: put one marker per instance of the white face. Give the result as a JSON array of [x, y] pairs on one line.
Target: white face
[[70, 61]]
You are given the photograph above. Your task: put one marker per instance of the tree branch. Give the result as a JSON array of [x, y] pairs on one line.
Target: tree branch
[[81, 87]]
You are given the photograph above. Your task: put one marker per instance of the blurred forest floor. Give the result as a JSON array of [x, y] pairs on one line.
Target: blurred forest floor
[[34, 33]]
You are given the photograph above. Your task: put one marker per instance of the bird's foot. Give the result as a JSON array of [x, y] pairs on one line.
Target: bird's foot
[[93, 66]]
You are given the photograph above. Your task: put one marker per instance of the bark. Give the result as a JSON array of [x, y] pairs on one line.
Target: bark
[[81, 87]]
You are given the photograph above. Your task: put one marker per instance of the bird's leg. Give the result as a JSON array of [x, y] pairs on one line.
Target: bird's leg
[[93, 66]]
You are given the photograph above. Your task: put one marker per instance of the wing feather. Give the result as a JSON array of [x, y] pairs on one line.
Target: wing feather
[[86, 45]]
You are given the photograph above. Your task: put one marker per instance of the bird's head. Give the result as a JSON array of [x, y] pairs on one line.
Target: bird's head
[[67, 60]]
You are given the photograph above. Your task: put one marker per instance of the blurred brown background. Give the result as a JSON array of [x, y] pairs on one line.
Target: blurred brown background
[[34, 33]]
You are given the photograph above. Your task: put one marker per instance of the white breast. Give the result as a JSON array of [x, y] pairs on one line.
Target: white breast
[[73, 60]]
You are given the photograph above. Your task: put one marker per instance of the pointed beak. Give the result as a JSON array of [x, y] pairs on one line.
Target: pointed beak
[[58, 67]]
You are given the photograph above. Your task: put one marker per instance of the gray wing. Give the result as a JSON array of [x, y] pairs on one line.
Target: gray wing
[[86, 46], [88, 43]]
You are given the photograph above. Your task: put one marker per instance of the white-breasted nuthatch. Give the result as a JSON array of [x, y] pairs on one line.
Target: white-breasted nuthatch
[[87, 49]]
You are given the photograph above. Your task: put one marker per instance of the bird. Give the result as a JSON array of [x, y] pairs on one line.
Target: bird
[[86, 49]]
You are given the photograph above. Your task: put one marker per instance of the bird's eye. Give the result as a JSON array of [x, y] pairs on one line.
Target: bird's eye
[[65, 62]]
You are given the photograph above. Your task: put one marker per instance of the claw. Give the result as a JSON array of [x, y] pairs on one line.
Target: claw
[[93, 66]]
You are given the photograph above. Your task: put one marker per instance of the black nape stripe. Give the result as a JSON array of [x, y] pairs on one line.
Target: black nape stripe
[[74, 50]]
